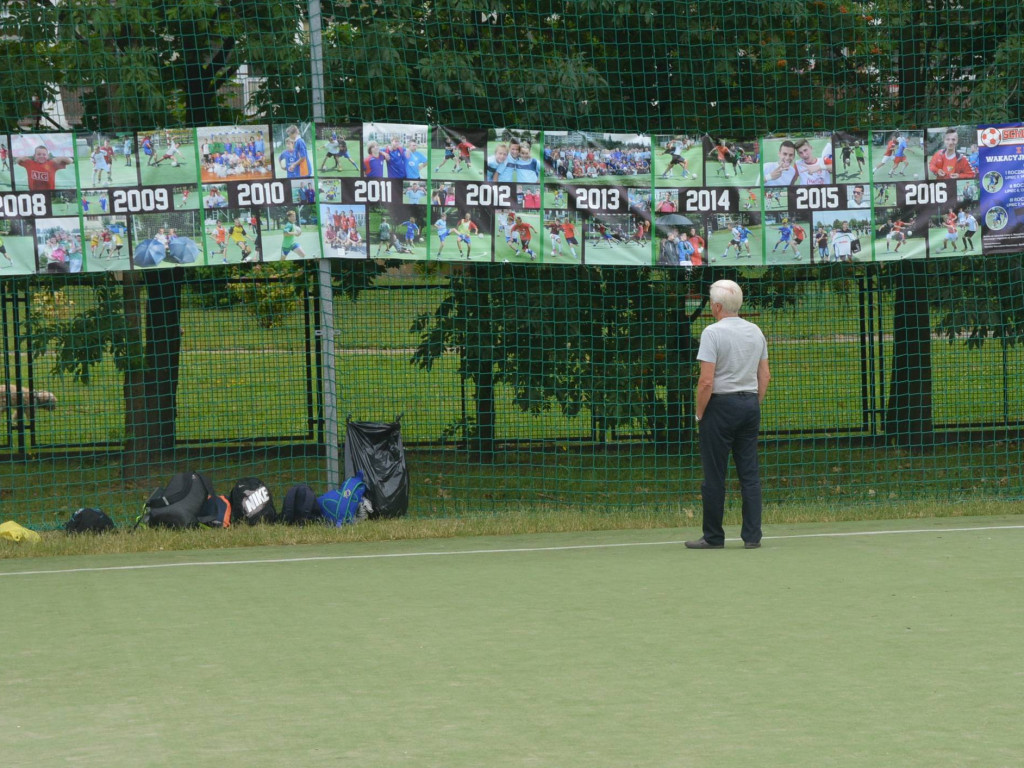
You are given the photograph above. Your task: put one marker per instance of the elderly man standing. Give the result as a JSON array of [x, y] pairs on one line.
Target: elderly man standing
[[733, 382]]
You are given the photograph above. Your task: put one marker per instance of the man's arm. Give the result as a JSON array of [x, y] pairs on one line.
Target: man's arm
[[764, 375], [704, 386]]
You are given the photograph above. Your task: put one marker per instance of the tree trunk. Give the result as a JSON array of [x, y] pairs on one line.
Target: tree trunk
[[151, 387], [908, 413]]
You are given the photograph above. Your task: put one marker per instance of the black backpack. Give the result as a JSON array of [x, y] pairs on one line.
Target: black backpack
[[89, 520], [251, 501], [301, 506], [182, 503]]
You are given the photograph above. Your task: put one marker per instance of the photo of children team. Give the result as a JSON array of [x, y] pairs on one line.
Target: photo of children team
[[58, 246], [597, 158], [235, 153], [106, 159], [163, 240], [338, 150], [166, 157], [798, 160], [513, 156], [292, 154], [394, 151], [678, 160], [17, 246], [460, 154], [730, 162], [233, 235], [343, 228], [399, 232], [43, 161], [106, 244]]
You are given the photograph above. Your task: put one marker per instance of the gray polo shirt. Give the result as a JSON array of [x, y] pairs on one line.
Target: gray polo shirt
[[735, 346]]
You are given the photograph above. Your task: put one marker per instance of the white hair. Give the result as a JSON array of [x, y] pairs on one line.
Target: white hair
[[728, 294]]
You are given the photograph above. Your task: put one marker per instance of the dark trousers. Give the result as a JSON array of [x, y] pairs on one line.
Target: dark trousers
[[730, 425]]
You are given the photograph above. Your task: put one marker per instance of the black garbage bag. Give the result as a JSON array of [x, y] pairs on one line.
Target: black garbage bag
[[376, 448]]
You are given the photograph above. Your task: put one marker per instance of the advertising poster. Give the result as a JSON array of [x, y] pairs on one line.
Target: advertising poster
[[1001, 174]]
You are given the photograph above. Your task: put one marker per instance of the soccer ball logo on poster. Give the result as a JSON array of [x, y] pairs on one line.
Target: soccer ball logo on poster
[[990, 137]]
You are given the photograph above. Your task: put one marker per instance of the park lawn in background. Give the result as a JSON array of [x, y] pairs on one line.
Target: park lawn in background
[[574, 650]]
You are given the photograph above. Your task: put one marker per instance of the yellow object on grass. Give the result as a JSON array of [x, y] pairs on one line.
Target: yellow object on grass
[[18, 533]]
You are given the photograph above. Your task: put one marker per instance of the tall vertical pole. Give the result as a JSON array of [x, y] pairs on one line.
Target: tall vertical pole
[[329, 375]]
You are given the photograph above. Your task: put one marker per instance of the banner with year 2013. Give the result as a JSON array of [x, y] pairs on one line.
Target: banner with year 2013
[[167, 197]]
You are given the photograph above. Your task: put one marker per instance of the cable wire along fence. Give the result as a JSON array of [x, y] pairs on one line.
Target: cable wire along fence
[[227, 228]]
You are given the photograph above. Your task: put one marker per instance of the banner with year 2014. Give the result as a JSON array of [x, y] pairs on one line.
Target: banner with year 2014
[[156, 199]]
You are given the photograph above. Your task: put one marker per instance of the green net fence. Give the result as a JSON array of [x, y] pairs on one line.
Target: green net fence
[[208, 264]]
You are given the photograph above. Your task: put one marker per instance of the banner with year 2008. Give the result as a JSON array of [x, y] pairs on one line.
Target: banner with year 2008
[[604, 182]]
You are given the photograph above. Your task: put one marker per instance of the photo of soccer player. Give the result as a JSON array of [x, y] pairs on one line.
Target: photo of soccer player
[[291, 233], [840, 236], [592, 159], [666, 201], [233, 236], [65, 202], [399, 232], [17, 246], [95, 202], [106, 244], [186, 197], [415, 192], [617, 238], [736, 238], [338, 150], [730, 162], [166, 157], [639, 200], [899, 234], [851, 162], [293, 153], [42, 161], [947, 232], [215, 196], [678, 160], [897, 155], [528, 196], [555, 197], [560, 237], [947, 150], [787, 238], [514, 156], [776, 199], [394, 151], [344, 232], [165, 240], [517, 235], [235, 153], [101, 160], [462, 236], [458, 153], [328, 191], [798, 160], [6, 178], [58, 245]]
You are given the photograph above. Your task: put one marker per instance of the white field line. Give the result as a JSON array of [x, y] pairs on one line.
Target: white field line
[[512, 550]]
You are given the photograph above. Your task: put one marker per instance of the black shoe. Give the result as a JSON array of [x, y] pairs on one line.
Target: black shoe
[[751, 544], [703, 544]]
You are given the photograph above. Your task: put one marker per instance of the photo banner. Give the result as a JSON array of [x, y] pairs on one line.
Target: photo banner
[[230, 194]]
